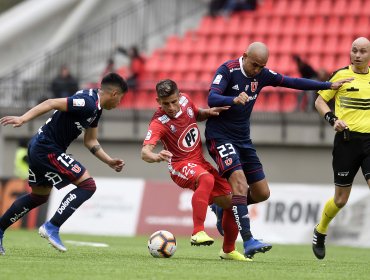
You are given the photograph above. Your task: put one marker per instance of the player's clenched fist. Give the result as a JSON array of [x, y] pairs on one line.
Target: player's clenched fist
[[242, 98]]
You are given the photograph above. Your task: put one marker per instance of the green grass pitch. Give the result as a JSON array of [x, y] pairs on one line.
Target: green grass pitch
[[28, 256]]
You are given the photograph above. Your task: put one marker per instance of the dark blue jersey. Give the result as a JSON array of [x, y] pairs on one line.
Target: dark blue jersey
[[229, 81], [83, 111]]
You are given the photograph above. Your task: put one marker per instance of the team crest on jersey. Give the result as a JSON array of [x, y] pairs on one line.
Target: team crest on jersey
[[190, 112], [78, 102], [173, 128], [189, 139], [148, 135], [254, 86], [228, 161]]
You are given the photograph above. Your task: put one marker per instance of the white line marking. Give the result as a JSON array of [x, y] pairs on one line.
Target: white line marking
[[91, 244]]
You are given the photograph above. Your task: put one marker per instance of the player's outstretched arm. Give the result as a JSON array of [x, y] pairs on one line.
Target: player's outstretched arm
[[338, 84], [91, 142], [204, 114], [42, 108], [148, 155]]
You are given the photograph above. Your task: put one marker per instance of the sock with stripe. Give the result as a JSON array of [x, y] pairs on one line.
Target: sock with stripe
[[72, 201]]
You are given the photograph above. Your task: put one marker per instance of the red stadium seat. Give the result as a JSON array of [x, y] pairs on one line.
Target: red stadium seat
[[173, 44], [276, 25], [341, 7], [272, 100], [295, 8], [289, 26], [215, 44], [321, 8], [362, 25], [365, 8], [348, 26], [289, 100], [246, 26], [280, 7], [316, 44]]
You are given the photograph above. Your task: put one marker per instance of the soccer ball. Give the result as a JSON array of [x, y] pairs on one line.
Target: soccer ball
[[162, 244]]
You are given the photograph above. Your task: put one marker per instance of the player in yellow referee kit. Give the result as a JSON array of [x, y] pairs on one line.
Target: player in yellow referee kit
[[351, 121]]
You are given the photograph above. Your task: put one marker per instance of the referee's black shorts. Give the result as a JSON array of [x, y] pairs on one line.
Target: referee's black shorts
[[349, 156]]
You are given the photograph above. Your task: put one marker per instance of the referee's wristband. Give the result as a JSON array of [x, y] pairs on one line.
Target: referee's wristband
[[330, 118]]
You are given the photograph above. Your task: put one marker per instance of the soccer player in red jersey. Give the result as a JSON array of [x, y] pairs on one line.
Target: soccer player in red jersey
[[175, 125]]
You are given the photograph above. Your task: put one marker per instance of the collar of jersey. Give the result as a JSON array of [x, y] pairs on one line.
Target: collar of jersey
[[99, 107], [241, 66], [178, 114]]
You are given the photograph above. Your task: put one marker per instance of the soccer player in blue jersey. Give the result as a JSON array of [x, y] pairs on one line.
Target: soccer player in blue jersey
[[237, 83], [50, 165]]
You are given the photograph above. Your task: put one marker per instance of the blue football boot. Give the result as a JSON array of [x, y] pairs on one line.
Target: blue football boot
[[219, 212], [51, 233], [2, 250], [253, 246]]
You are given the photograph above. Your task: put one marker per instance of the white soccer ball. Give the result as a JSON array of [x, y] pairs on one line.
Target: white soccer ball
[[162, 244]]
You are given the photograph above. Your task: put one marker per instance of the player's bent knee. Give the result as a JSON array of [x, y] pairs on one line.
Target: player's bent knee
[[206, 179], [88, 185]]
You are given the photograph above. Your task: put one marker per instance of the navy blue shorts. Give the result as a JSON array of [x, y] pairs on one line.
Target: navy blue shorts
[[49, 166], [230, 156]]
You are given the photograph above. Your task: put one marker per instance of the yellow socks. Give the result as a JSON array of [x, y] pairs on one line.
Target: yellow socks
[[329, 212]]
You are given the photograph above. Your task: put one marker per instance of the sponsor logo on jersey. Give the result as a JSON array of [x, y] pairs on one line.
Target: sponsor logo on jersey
[[78, 102], [190, 112], [234, 69], [90, 120], [246, 88], [183, 101], [254, 86], [250, 98], [217, 80], [79, 126], [189, 139], [173, 128], [148, 135], [228, 161], [236, 87], [164, 119]]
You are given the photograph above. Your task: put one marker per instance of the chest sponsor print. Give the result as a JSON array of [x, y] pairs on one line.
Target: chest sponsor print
[[189, 139]]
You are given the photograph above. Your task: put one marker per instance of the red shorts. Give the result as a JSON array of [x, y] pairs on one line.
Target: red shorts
[[185, 174]]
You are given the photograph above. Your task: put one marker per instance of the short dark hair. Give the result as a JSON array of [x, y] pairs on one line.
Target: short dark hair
[[116, 80], [166, 88]]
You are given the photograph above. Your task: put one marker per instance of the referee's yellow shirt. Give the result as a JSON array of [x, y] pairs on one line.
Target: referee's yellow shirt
[[352, 100]]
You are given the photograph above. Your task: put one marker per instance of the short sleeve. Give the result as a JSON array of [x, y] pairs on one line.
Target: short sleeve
[[154, 134]]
